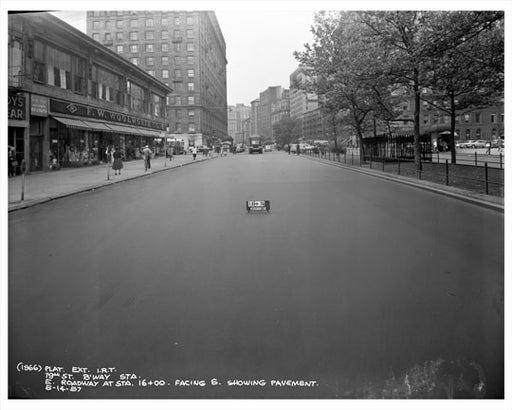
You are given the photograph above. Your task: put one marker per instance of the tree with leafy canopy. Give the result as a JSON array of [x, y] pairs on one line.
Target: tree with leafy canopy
[[467, 65], [287, 131], [342, 67]]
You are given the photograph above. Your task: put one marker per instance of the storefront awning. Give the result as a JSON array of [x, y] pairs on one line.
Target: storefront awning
[[106, 127], [70, 123], [97, 126]]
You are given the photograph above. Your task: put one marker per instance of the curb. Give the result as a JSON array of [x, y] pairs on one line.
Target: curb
[[106, 183], [456, 193]]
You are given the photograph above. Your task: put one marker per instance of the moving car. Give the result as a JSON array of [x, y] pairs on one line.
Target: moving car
[[478, 144], [465, 144]]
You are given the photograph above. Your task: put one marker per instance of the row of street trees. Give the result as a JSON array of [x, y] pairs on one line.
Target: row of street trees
[[362, 64]]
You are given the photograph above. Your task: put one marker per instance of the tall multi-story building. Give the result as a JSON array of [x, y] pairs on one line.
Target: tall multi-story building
[[280, 109], [268, 97], [255, 130], [185, 50], [70, 97], [301, 102], [236, 115]]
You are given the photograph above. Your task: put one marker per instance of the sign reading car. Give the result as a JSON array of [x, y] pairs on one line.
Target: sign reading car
[[261, 205]]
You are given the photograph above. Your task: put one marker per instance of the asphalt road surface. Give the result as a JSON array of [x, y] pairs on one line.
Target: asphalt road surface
[[166, 287]]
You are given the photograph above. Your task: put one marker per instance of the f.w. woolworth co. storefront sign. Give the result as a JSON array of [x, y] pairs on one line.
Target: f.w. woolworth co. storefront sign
[[65, 107]]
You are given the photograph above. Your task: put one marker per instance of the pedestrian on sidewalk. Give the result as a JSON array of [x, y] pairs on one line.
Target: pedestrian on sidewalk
[[194, 152], [118, 162], [488, 146], [170, 152], [109, 153], [146, 152], [12, 163]]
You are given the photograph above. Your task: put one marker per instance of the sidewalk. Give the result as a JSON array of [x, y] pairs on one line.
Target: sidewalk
[[488, 201], [46, 186]]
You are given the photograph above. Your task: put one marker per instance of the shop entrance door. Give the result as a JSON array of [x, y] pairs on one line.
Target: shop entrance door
[[36, 153]]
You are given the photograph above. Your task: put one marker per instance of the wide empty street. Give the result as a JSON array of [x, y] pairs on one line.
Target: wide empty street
[[350, 281]]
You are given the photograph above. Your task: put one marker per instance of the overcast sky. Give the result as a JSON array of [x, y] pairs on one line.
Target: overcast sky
[[259, 44]]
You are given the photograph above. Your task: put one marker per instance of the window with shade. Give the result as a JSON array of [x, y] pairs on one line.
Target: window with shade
[[158, 105], [106, 85], [137, 97]]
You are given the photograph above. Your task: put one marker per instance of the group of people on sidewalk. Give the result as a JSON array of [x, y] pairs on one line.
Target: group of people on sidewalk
[[115, 157]]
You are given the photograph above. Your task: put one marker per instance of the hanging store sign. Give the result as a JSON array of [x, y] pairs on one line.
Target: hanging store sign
[[80, 110], [255, 206], [17, 106], [38, 105]]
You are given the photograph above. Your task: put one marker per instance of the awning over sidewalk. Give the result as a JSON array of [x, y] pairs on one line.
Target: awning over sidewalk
[[106, 127], [71, 123]]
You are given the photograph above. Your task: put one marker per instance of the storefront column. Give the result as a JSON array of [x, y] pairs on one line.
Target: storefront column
[[46, 144]]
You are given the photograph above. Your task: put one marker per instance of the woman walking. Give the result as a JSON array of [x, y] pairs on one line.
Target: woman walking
[[118, 162]]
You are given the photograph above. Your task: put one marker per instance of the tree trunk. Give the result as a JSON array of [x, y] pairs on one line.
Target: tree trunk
[[453, 115], [359, 132], [417, 91]]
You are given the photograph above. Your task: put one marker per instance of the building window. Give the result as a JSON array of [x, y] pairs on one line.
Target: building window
[[190, 33], [190, 86], [106, 85], [177, 100], [466, 118], [96, 36], [95, 25], [151, 73], [190, 100], [477, 118], [177, 21], [191, 127], [134, 35], [57, 65], [190, 46], [119, 49], [502, 117], [119, 36], [168, 100], [135, 60], [165, 60], [158, 106], [150, 48], [165, 21], [493, 118], [177, 74], [478, 133], [190, 20], [119, 23], [164, 34], [176, 33], [150, 22], [107, 24], [177, 46], [150, 61], [190, 73], [425, 119], [178, 128], [137, 97], [178, 114], [134, 48], [165, 48], [150, 35], [134, 23], [191, 113], [190, 59], [178, 60], [165, 73], [494, 133], [108, 37], [468, 134]]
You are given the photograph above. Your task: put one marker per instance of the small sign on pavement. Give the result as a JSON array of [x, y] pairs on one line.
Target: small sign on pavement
[[255, 206]]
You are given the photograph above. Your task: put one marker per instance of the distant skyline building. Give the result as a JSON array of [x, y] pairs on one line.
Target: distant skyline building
[[236, 115], [280, 109], [268, 97], [185, 50]]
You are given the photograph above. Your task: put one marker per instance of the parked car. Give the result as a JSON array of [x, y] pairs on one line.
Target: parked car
[[466, 144], [478, 144]]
